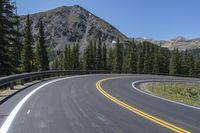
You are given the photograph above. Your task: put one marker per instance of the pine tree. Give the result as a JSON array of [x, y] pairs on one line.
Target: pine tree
[[162, 61], [66, 61], [175, 63], [56, 64], [191, 65], [99, 56], [164, 56], [92, 56], [129, 63], [38, 56], [118, 55], [140, 60], [61, 61], [84, 59], [197, 67], [151, 56], [8, 33], [155, 61], [87, 58], [104, 57], [70, 57], [110, 59], [146, 64], [127, 56], [179, 62], [185, 63], [73, 57], [132, 62], [172, 65], [42, 54], [95, 55], [76, 57], [81, 64], [28, 56], [17, 46], [146, 68]]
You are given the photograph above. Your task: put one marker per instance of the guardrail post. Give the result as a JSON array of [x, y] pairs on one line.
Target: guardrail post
[[12, 85], [198, 90], [152, 86], [22, 82], [165, 83], [30, 79]]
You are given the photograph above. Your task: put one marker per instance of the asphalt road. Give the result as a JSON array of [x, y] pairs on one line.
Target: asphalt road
[[75, 105]]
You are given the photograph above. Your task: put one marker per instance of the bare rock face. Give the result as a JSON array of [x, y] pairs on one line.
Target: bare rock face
[[69, 25]]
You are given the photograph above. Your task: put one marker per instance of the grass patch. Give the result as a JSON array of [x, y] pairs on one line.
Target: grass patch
[[182, 92]]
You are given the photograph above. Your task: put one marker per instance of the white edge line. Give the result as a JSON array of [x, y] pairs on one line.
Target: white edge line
[[6, 125], [133, 85]]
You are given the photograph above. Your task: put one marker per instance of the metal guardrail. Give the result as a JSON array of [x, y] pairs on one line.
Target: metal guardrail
[[10, 80]]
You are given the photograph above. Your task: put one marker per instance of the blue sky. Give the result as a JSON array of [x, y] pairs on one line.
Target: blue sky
[[157, 19]]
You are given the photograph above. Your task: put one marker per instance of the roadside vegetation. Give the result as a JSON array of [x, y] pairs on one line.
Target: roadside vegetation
[[187, 93]]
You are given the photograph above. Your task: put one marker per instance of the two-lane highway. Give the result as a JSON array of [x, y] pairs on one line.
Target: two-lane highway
[[94, 104]]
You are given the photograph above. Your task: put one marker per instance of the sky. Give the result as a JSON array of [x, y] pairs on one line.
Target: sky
[[156, 19]]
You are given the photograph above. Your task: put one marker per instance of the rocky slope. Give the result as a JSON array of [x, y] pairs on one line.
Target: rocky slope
[[179, 42], [71, 24]]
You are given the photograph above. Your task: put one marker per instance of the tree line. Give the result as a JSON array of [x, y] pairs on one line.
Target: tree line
[[130, 56], [18, 56]]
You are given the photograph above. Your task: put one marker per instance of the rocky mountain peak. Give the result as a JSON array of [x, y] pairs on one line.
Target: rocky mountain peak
[[71, 24]]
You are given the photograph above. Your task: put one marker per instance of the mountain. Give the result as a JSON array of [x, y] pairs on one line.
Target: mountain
[[179, 42], [182, 43], [71, 24], [74, 24]]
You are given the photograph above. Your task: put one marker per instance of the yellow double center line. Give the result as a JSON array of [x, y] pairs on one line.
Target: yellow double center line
[[137, 111]]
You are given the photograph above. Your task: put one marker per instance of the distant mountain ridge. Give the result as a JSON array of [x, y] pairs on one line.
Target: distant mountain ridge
[[72, 24], [179, 42]]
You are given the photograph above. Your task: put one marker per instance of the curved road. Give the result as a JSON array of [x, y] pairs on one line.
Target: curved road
[[88, 104]]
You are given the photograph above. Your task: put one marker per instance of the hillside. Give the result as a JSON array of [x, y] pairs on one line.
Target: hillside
[[71, 24]]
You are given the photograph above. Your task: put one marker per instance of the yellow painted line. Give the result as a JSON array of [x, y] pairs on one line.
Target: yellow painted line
[[137, 111]]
